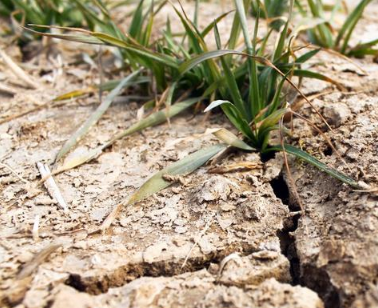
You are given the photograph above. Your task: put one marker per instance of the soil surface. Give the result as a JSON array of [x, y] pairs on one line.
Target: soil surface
[[212, 239]]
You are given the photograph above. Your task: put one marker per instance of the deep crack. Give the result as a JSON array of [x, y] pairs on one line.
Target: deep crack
[[287, 239], [306, 275]]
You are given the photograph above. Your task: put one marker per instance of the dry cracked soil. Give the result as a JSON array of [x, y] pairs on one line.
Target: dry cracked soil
[[214, 238]]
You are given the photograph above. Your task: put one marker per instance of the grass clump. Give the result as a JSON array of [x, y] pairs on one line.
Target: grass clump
[[90, 14], [42, 12], [324, 33], [252, 84]]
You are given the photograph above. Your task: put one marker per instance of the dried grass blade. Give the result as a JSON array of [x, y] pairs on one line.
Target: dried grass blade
[[229, 138], [18, 71], [8, 90], [51, 186]]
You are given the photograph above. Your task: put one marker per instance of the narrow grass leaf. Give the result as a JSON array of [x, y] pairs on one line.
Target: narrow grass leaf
[[182, 167], [189, 64], [137, 21], [313, 161], [230, 78], [86, 39], [364, 49], [139, 49], [235, 117], [307, 56], [83, 129], [350, 23], [319, 76], [215, 104], [253, 95], [207, 30]]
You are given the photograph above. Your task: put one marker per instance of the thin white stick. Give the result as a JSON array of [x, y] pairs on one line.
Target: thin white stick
[[35, 231], [15, 173], [7, 89], [51, 186]]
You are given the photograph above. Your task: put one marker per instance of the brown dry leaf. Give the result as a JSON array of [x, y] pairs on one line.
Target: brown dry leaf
[[236, 167]]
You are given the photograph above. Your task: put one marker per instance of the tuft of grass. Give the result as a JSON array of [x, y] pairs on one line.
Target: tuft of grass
[[246, 81], [91, 14], [325, 35], [43, 12]]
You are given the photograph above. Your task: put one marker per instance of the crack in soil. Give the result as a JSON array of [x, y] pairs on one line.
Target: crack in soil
[[167, 268], [305, 275], [286, 237]]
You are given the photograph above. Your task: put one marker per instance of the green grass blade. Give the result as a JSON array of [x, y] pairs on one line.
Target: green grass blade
[[364, 49], [196, 41], [307, 56], [235, 32], [194, 61], [68, 37], [240, 9], [277, 98], [156, 118], [148, 31], [367, 44], [139, 49], [230, 80], [323, 36], [315, 75], [84, 128], [270, 121], [199, 46], [313, 161], [254, 99], [217, 103], [280, 48], [137, 21], [195, 17], [350, 23], [361, 52], [235, 117], [207, 30], [182, 167], [261, 50]]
